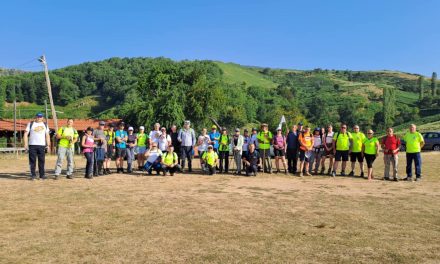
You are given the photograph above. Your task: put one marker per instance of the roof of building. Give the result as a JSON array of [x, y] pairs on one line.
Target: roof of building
[[79, 124]]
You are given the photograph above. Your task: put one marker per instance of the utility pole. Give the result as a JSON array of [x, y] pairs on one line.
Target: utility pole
[[15, 125], [42, 59], [45, 107]]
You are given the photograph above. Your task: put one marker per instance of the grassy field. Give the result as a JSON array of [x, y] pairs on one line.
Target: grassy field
[[220, 219], [234, 73]]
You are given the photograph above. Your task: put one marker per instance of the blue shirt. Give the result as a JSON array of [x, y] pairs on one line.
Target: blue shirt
[[122, 134], [213, 135], [292, 140]]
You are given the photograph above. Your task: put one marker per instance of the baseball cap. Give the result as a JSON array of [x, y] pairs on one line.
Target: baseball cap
[[264, 125], [39, 115], [187, 122], [214, 127], [122, 124], [237, 130], [141, 128], [254, 129], [300, 124], [209, 146], [279, 128], [317, 129], [130, 128], [101, 123]]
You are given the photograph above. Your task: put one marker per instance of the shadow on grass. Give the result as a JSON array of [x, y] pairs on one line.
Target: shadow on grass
[[15, 176]]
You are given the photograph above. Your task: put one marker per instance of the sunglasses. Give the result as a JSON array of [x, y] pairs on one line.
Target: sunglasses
[[344, 127], [369, 133]]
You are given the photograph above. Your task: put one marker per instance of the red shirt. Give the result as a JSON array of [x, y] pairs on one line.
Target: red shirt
[[391, 143]]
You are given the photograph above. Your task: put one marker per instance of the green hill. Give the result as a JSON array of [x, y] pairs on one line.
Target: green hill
[[142, 90]]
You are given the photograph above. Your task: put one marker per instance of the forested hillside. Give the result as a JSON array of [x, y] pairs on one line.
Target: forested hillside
[[146, 90]]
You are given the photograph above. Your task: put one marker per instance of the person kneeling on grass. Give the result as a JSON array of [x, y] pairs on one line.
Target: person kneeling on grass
[[370, 150], [153, 156], [210, 159], [169, 162], [251, 160]]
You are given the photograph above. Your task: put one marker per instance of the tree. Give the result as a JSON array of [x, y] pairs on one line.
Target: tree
[[420, 86], [434, 84], [389, 105]]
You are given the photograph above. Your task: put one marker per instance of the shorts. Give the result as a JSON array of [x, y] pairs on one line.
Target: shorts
[[121, 152], [369, 159], [305, 155], [142, 150], [356, 156], [109, 153], [279, 152], [329, 153], [341, 154]]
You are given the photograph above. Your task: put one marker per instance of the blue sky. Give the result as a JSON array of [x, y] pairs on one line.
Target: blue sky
[[345, 34]]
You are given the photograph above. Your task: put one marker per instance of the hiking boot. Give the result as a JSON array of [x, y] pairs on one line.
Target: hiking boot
[[32, 178], [351, 174], [69, 177], [301, 174], [396, 179], [308, 174], [408, 179], [285, 172], [334, 174], [55, 177], [362, 174], [386, 178], [342, 173], [418, 178], [108, 171], [329, 172], [322, 172]]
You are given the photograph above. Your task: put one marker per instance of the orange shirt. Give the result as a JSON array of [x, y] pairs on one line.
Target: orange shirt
[[306, 140]]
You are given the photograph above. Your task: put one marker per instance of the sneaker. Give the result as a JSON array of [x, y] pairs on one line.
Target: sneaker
[[351, 174], [362, 174], [329, 172], [43, 178], [301, 174], [55, 177], [396, 179], [334, 174], [408, 179], [322, 172], [172, 174], [342, 173], [308, 174], [386, 178], [418, 178], [32, 179], [69, 177]]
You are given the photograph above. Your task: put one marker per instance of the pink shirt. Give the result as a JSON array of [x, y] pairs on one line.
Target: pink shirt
[[280, 142], [89, 143]]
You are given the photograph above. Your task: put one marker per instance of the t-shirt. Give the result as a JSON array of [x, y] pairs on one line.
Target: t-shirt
[[329, 137], [370, 145], [412, 141], [98, 133], [169, 159], [213, 135], [246, 141], [142, 139], [67, 131], [253, 157], [391, 143], [204, 145], [342, 141], [110, 136], [37, 136], [279, 142], [224, 143], [317, 142], [131, 139], [254, 141], [154, 154], [89, 142], [358, 138], [306, 140], [121, 134], [163, 142], [154, 135], [210, 157]]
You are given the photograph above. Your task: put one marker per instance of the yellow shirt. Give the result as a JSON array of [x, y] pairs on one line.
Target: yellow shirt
[[342, 141], [169, 159], [412, 141], [67, 131], [358, 139], [210, 157]]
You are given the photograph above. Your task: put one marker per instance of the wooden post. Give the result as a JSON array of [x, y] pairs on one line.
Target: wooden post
[[42, 59]]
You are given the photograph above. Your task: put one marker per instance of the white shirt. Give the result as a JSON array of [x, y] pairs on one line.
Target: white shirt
[[37, 136], [163, 142], [154, 135], [329, 138], [317, 142], [204, 145], [154, 154]]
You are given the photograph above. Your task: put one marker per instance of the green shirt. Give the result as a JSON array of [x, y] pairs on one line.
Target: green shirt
[[224, 143], [210, 157], [64, 132], [342, 141], [263, 141], [169, 159], [142, 139], [370, 145], [358, 139], [412, 141]]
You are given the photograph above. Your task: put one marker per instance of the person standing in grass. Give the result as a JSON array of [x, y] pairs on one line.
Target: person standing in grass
[[169, 161], [67, 136], [306, 142], [110, 138], [292, 149], [101, 146], [237, 149], [131, 145], [142, 140], [328, 149], [264, 139], [214, 137], [164, 140], [356, 150], [88, 145], [210, 158], [370, 150], [342, 142], [317, 151], [155, 134], [36, 140], [246, 142], [390, 145], [414, 143], [279, 148], [174, 134], [223, 150], [121, 147], [187, 138]]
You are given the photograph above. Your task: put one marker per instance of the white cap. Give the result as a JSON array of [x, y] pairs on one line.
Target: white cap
[[130, 128], [142, 128]]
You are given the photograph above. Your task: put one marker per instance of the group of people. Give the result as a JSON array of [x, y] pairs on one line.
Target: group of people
[[172, 151]]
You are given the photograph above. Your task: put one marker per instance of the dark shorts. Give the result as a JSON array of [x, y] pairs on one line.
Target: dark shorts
[[302, 156], [121, 152], [329, 153], [356, 156], [341, 155], [110, 151], [279, 152], [370, 159]]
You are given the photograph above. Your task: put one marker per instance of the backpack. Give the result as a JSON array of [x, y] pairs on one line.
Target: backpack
[[174, 156], [337, 136]]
